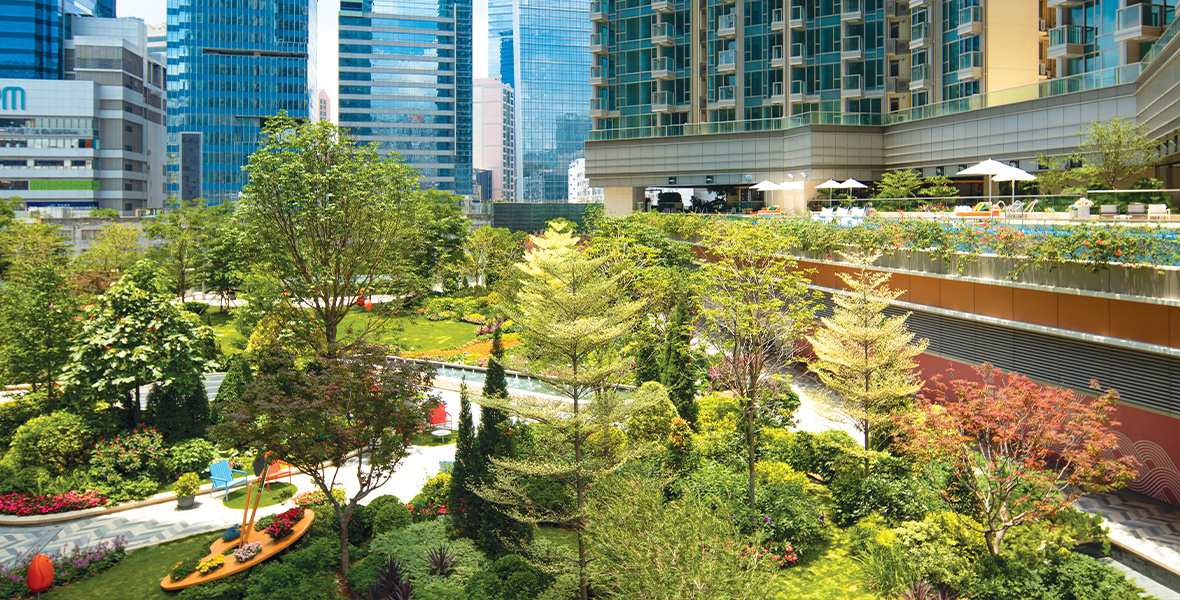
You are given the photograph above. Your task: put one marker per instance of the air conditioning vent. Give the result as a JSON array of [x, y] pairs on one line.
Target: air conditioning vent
[[1044, 25], [1043, 69]]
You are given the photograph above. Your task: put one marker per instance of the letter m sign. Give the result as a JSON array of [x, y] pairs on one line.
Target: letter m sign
[[9, 97]]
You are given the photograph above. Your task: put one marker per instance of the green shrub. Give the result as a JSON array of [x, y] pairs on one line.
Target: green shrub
[[898, 500], [197, 308], [509, 577], [653, 423], [824, 454], [187, 485], [130, 467], [178, 412], [434, 493], [56, 442], [409, 546], [786, 511], [1079, 577], [942, 548], [439, 590], [193, 455], [17, 412], [886, 567], [389, 517]]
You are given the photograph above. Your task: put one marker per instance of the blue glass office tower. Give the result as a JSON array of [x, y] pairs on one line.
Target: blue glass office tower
[[32, 34], [544, 53], [231, 65], [405, 83]]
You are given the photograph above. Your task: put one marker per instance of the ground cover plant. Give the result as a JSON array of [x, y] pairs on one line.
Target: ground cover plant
[[69, 565]]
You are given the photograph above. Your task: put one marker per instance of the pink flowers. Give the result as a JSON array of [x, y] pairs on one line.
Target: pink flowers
[[23, 505], [284, 523], [784, 555]]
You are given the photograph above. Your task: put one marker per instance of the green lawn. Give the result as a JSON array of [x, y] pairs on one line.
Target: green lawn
[[564, 537], [278, 493], [138, 576], [834, 575], [425, 438], [407, 331]]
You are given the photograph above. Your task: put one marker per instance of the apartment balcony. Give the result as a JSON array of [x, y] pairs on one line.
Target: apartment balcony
[[725, 62], [777, 20], [970, 66], [722, 97], [597, 43], [661, 34], [1142, 22], [897, 85], [598, 107], [598, 10], [728, 1], [662, 68], [797, 55], [727, 26], [662, 6], [1064, 3], [852, 11], [776, 94], [920, 77], [970, 21], [919, 35], [778, 58], [598, 75], [798, 20], [896, 9], [1069, 41], [850, 48], [661, 102], [897, 47], [920, 4], [853, 86]]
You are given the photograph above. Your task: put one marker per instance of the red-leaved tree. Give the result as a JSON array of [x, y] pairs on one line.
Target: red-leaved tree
[[315, 417], [1019, 451]]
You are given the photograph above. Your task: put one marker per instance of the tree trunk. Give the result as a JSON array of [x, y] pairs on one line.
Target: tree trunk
[[344, 516], [750, 447], [330, 335], [993, 539], [866, 449]]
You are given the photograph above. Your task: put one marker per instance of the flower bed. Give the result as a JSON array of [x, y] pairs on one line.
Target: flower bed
[[318, 497], [248, 551], [284, 523], [23, 505], [68, 565], [473, 352], [208, 566]]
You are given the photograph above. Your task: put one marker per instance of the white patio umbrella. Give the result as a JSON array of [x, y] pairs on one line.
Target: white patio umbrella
[[991, 168], [765, 185], [1014, 174], [852, 184], [830, 184]]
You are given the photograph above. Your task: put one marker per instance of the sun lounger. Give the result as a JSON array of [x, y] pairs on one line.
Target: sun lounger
[[1109, 211], [1136, 210], [1158, 211]]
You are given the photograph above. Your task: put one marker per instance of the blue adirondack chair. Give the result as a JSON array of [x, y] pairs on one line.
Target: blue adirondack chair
[[223, 476]]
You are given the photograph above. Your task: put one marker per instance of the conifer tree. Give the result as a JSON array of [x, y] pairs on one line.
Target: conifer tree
[[647, 357], [460, 498], [678, 369], [572, 318], [492, 530], [863, 356], [237, 377]]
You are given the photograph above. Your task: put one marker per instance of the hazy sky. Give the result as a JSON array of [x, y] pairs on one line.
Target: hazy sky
[[155, 11]]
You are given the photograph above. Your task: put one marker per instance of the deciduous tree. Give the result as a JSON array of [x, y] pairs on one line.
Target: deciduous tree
[[1019, 451], [314, 418], [1117, 152], [490, 252], [113, 252], [332, 221], [572, 319], [185, 230], [903, 183], [756, 306], [865, 358]]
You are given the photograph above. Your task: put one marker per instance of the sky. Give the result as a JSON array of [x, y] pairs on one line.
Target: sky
[[155, 12]]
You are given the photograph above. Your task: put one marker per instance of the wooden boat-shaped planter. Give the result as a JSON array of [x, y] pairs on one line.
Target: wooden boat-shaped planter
[[270, 548]]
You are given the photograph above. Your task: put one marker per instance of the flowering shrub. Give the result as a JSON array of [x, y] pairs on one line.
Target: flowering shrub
[[475, 350], [784, 555], [232, 533], [184, 568], [319, 497], [130, 467], [68, 565], [248, 551], [23, 505], [427, 513], [208, 566], [284, 523]]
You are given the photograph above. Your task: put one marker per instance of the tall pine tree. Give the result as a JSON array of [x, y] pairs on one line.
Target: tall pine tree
[[492, 530], [460, 498], [678, 368]]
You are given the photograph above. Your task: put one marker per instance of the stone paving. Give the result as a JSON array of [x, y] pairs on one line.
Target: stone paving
[[1142, 524]]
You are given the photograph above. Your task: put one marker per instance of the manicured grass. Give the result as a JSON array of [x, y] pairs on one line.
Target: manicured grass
[[139, 575], [278, 493], [425, 438], [406, 331], [834, 575], [564, 537]]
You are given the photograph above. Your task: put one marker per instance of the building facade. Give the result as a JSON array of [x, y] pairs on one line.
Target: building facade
[[94, 139], [580, 191], [495, 138], [325, 105], [32, 42], [406, 84], [233, 64], [543, 55]]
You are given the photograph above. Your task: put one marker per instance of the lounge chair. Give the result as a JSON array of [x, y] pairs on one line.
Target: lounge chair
[[1135, 211], [440, 418], [276, 470], [1158, 211], [1109, 211], [223, 476], [1015, 210]]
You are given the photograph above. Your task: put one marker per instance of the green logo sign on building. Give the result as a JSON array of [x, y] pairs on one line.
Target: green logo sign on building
[[9, 96]]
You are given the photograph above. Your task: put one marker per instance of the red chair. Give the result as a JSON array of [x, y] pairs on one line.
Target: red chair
[[440, 418], [276, 470]]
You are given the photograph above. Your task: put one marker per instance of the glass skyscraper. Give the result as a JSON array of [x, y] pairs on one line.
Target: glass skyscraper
[[543, 49], [33, 32], [406, 84], [231, 65]]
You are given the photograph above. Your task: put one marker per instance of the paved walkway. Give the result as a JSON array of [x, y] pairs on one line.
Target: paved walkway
[[1141, 524], [151, 525]]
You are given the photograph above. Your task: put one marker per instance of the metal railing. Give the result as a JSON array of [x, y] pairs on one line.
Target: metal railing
[[744, 126], [1158, 46], [1071, 34], [725, 59], [1145, 15]]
